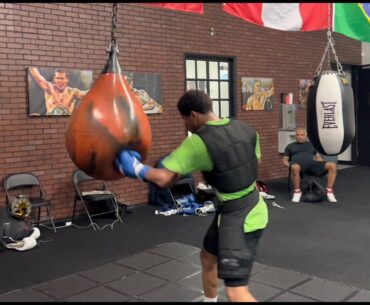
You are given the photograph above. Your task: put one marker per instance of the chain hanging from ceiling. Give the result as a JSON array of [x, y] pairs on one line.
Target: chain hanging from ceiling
[[113, 44], [330, 45]]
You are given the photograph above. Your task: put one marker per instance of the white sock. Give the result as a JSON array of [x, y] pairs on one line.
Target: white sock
[[210, 299]]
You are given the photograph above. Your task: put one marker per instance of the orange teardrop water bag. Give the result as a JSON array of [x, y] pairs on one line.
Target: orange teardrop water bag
[[109, 118]]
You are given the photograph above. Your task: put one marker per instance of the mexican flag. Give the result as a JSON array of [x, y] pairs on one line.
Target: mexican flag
[[352, 20], [283, 16]]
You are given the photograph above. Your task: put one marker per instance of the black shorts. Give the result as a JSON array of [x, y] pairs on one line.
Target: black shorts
[[234, 272], [314, 168]]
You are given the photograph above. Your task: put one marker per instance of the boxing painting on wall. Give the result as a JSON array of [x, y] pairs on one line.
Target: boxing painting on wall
[[257, 93], [54, 92], [303, 86], [148, 90]]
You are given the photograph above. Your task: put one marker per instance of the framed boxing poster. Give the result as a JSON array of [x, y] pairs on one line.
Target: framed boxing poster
[[56, 92], [303, 86], [148, 89], [257, 93]]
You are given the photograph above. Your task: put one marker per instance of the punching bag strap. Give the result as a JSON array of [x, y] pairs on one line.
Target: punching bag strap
[[330, 44]]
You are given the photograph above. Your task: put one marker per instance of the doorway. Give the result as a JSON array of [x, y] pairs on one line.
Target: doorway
[[363, 115]]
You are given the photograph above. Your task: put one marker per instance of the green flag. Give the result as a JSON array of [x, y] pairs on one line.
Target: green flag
[[352, 20]]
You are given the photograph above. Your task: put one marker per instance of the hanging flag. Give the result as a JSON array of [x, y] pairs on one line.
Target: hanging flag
[[352, 20], [186, 7], [283, 16]]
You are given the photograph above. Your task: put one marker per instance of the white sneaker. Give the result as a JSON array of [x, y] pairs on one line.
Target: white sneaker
[[266, 196], [26, 243], [331, 197], [296, 197]]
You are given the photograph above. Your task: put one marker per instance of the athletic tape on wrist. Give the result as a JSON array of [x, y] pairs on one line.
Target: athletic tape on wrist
[[142, 172]]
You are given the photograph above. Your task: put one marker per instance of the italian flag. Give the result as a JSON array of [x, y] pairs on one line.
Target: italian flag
[[283, 16]]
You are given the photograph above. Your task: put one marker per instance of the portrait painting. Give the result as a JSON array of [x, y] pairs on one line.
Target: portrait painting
[[303, 87], [148, 89], [257, 93], [56, 91]]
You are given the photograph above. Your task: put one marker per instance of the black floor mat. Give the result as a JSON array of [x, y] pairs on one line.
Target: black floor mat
[[75, 249], [326, 240]]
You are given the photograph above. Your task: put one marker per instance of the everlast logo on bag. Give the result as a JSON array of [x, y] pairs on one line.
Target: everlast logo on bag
[[329, 114]]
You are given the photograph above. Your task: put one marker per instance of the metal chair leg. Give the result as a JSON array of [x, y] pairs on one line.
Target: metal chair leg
[[115, 205], [74, 209], [51, 219], [88, 215], [39, 216]]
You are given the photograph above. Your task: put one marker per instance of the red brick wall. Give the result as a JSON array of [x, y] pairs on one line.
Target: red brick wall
[[76, 36]]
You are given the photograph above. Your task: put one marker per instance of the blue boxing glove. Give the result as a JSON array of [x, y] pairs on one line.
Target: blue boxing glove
[[128, 163]]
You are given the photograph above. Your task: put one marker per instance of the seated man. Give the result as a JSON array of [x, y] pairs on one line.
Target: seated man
[[302, 156]]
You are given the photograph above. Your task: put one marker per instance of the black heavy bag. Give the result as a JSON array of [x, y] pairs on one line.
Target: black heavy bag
[[330, 113]]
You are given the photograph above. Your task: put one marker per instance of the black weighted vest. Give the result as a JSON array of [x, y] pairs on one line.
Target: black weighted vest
[[232, 149]]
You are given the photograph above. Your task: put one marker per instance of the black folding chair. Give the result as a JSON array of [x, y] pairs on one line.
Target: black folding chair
[[96, 196], [27, 184]]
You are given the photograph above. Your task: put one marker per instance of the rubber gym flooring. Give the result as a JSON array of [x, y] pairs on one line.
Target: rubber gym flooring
[[310, 252]]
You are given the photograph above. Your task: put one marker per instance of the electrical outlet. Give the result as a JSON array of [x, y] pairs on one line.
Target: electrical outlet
[[68, 223]]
